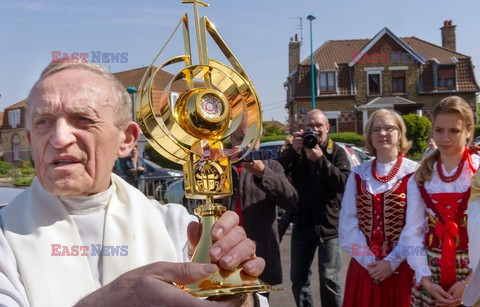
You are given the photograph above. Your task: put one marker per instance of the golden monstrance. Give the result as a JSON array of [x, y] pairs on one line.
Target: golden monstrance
[[188, 126]]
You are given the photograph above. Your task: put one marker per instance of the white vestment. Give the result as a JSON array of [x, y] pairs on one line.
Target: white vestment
[[130, 228]]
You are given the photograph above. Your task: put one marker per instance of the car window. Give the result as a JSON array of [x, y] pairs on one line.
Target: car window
[[148, 166], [361, 155]]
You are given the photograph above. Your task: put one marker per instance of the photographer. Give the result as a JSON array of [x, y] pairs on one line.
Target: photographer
[[319, 169]]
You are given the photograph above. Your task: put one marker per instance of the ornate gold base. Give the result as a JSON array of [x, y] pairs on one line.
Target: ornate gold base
[[213, 287], [232, 290], [222, 282]]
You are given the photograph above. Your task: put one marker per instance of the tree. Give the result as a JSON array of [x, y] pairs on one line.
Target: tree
[[272, 129], [418, 130]]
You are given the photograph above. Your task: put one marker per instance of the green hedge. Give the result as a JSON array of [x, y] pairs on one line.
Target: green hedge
[[348, 137], [477, 129]]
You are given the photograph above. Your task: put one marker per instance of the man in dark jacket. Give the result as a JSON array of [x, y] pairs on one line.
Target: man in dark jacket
[[259, 186], [319, 173]]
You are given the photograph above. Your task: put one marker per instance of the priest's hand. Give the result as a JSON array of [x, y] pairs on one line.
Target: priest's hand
[[153, 285], [231, 248]]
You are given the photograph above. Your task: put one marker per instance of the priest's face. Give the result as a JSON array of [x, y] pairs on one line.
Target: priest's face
[[72, 130]]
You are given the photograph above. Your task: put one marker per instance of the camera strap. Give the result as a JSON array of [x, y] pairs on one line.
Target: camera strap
[[330, 146]]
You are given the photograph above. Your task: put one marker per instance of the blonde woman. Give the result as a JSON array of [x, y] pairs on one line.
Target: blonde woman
[[437, 209], [373, 215]]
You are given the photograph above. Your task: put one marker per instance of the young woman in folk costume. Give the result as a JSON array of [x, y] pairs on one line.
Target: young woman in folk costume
[[373, 215], [437, 209]]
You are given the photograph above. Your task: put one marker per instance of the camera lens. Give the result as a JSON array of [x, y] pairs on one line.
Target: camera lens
[[310, 141], [310, 138]]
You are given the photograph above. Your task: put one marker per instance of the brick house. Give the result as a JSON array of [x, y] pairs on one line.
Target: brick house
[[355, 77], [14, 142]]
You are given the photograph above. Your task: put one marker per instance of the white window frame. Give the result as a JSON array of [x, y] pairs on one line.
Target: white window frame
[[398, 68]]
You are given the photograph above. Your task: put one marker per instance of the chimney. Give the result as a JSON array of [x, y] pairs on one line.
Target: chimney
[[448, 35], [293, 54]]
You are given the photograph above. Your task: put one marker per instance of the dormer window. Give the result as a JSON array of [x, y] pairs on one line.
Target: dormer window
[[327, 82], [446, 77], [14, 118]]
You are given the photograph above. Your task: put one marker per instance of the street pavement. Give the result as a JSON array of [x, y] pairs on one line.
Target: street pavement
[[284, 297]]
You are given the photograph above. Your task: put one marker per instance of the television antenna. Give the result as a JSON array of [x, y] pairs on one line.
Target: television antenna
[[299, 26]]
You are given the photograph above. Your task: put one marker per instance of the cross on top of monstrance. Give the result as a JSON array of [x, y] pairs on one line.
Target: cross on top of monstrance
[[200, 38], [195, 2]]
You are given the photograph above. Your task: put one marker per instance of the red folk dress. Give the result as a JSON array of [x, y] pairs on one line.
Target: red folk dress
[[380, 220], [446, 239]]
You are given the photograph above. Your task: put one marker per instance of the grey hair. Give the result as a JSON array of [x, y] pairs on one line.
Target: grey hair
[[316, 111], [121, 97]]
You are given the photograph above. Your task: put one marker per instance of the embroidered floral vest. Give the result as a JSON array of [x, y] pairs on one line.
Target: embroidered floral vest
[[381, 217]]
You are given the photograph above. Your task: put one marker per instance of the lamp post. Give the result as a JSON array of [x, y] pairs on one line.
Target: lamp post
[[132, 90], [311, 18]]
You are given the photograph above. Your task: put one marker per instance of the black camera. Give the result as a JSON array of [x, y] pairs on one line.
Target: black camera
[[310, 138]]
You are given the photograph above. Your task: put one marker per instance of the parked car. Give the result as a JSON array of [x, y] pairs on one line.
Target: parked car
[[174, 192], [273, 145], [356, 155], [477, 141], [7, 194], [153, 176]]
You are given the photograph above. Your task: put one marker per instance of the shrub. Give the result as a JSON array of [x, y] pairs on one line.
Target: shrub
[[14, 172], [5, 167], [348, 137], [415, 156], [28, 170], [418, 130], [476, 131], [26, 163], [23, 181]]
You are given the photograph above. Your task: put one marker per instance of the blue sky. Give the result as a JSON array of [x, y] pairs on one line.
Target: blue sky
[[257, 31]]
